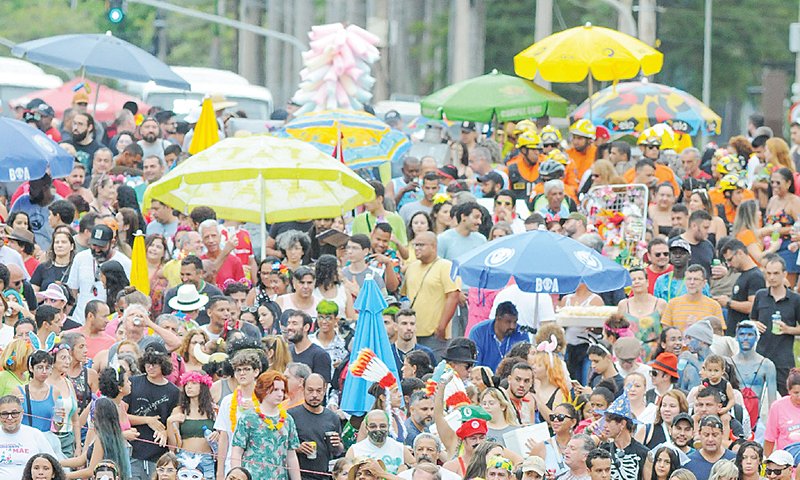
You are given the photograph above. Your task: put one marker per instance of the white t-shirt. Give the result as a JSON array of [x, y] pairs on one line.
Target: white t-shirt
[[6, 335], [445, 473], [17, 448], [223, 424], [526, 305], [9, 255], [391, 453], [83, 277]]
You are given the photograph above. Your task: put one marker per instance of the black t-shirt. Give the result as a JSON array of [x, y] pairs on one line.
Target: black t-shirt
[[595, 379], [311, 427], [629, 461], [148, 400], [749, 282], [316, 358], [47, 273], [703, 254], [777, 348], [280, 227], [85, 155]]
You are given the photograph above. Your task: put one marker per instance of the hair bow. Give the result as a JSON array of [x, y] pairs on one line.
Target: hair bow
[[440, 198], [278, 267], [244, 281], [548, 347], [552, 218], [621, 332]]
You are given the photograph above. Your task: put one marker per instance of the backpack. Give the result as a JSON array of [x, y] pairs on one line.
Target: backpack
[[751, 402]]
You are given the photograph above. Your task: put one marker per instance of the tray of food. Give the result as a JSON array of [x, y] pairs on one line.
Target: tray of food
[[584, 316]]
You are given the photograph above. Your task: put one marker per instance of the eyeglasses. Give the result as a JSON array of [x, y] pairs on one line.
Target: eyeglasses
[[507, 203], [10, 414], [660, 254], [775, 471], [560, 417], [243, 370], [42, 368], [626, 360]]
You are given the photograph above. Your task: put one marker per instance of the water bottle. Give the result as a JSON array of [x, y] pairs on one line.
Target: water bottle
[[58, 418], [207, 433]]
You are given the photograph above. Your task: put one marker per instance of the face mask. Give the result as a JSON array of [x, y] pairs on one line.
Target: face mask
[[378, 436], [186, 474]]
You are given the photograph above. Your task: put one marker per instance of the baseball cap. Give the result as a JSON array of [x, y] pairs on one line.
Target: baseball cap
[[491, 177], [781, 457], [472, 427], [101, 235], [683, 416], [678, 242], [392, 116], [46, 110], [194, 114], [468, 126], [534, 464], [578, 216], [80, 97], [602, 132]]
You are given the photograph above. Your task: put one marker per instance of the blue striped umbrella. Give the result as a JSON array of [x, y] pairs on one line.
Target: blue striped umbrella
[[366, 141], [370, 333]]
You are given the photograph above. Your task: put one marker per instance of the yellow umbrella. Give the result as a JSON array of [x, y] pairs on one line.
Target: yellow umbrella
[[206, 131], [140, 276], [262, 179], [569, 56]]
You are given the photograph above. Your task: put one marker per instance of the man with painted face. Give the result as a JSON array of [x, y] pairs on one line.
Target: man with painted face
[[699, 337], [755, 371], [427, 450], [84, 276], [379, 445]]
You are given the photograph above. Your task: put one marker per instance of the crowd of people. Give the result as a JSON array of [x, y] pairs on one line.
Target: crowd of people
[[233, 366]]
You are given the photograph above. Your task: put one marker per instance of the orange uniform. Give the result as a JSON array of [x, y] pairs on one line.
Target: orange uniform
[[663, 174], [718, 198], [583, 160]]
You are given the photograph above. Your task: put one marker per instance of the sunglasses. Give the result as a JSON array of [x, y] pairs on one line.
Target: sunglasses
[[251, 309], [661, 254], [651, 146], [774, 471], [560, 417], [654, 373], [507, 203], [10, 414]]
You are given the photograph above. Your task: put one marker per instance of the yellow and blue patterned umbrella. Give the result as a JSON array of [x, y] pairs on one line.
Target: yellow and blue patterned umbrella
[[366, 141], [634, 106]]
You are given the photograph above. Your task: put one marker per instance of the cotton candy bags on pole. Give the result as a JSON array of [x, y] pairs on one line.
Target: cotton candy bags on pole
[[337, 71]]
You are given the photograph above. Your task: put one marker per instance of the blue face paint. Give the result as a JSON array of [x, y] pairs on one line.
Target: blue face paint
[[694, 344], [746, 337]]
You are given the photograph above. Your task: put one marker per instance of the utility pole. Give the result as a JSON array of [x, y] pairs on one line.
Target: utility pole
[[706, 61], [544, 28], [647, 21]]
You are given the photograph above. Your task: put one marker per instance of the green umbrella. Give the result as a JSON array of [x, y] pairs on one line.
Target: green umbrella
[[481, 98]]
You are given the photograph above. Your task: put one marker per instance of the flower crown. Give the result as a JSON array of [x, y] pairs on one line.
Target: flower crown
[[192, 376], [440, 198], [278, 267]]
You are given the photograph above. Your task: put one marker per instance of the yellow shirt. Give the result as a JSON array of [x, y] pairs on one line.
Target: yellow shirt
[[430, 294], [679, 309]]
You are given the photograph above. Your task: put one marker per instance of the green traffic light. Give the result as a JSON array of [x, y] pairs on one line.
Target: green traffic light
[[115, 15]]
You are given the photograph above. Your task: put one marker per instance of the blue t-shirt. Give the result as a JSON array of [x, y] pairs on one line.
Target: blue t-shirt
[[702, 467], [39, 218], [451, 244], [668, 288]]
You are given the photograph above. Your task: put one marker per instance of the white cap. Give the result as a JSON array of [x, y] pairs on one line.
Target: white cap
[[781, 457], [194, 114]]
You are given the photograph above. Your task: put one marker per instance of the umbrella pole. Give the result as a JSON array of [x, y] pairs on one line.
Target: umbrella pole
[[263, 218], [591, 92], [536, 313], [96, 96]]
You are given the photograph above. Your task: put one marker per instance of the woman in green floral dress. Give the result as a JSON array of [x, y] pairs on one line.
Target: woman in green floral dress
[[265, 438]]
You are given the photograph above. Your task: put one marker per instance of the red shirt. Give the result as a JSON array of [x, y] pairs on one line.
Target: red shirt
[[245, 249], [653, 276], [97, 344], [231, 269]]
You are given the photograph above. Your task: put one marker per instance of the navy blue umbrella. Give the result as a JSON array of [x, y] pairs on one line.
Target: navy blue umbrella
[[540, 262], [26, 152], [102, 55]]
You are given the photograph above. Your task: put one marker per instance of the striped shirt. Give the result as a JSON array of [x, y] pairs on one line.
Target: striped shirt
[[679, 309]]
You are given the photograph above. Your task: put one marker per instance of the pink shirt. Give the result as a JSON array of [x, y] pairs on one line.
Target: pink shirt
[[783, 423]]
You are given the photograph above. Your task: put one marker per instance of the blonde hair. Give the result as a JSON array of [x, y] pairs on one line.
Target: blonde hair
[[16, 354], [780, 150], [607, 174], [555, 371], [281, 355], [509, 412], [682, 474], [724, 470]]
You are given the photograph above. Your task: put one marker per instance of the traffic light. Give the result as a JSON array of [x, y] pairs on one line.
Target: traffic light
[[116, 10]]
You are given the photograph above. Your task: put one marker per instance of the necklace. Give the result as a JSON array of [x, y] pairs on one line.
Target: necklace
[[270, 424]]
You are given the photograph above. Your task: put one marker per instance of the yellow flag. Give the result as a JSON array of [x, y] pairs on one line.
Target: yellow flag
[[206, 130], [140, 277]]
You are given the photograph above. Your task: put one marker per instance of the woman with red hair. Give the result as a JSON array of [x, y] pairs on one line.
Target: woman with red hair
[[265, 438]]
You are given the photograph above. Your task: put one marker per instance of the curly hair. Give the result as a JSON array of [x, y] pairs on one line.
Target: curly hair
[[58, 472], [289, 238], [552, 328], [110, 383], [741, 145], [327, 272], [156, 358], [183, 350]]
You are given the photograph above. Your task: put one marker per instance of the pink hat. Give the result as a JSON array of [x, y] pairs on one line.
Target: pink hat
[[53, 292]]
